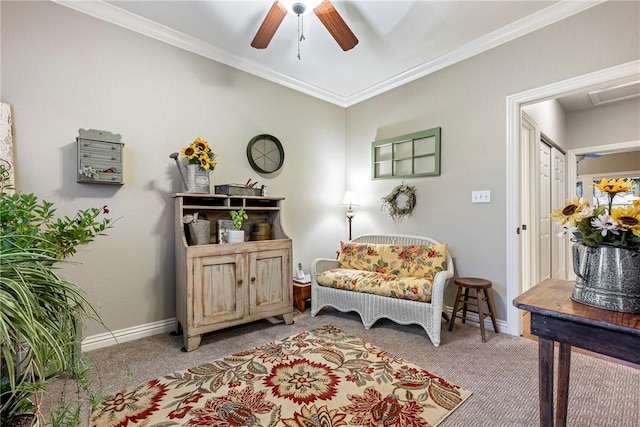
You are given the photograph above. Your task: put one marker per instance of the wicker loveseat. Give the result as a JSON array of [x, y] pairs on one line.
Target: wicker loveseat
[[401, 278]]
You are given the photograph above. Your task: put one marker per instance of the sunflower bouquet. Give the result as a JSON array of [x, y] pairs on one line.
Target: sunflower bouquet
[[199, 153], [602, 225]]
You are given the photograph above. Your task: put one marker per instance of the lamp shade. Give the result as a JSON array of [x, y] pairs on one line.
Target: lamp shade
[[350, 199]]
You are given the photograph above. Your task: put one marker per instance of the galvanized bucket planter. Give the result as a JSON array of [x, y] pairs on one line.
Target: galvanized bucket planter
[[607, 277], [197, 180]]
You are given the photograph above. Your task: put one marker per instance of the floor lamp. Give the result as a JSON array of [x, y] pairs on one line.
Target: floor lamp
[[350, 200]]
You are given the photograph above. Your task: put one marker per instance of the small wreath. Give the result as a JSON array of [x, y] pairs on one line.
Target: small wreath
[[390, 202]]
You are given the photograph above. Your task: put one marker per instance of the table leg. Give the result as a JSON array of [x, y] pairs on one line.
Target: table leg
[[564, 368], [545, 381]]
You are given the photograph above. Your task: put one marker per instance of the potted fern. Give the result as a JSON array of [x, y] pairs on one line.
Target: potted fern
[[42, 311], [237, 234]]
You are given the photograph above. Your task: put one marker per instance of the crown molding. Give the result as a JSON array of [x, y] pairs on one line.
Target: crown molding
[[115, 15], [529, 24]]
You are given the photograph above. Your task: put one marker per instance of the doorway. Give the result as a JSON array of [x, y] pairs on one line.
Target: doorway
[[542, 188], [514, 252]]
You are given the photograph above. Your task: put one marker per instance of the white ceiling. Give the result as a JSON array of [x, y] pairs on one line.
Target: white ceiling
[[399, 41]]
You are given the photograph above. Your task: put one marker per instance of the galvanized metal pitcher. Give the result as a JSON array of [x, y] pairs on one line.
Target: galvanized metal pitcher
[[607, 277]]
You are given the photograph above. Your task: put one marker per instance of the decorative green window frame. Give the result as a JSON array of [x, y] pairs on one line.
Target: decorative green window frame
[[407, 156]]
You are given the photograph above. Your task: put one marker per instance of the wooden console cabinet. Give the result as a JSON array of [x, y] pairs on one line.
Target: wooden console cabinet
[[225, 284]]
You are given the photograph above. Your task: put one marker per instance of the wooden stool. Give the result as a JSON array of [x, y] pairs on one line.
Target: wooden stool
[[477, 286]]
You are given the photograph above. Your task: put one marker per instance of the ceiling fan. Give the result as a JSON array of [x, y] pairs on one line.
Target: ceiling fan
[[326, 13]]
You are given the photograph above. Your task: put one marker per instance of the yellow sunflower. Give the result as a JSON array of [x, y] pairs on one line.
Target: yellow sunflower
[[189, 152], [614, 186], [207, 163], [202, 144], [628, 217], [571, 212]]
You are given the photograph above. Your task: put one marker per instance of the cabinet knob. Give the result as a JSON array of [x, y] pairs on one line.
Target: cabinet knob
[[253, 280], [239, 282]]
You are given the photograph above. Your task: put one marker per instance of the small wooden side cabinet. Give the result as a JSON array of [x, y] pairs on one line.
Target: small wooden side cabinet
[[301, 292], [226, 284]]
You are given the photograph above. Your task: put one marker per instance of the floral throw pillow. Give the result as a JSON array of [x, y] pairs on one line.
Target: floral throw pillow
[[402, 260]]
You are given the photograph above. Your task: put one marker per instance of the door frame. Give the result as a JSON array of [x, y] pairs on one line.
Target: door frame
[[514, 104]]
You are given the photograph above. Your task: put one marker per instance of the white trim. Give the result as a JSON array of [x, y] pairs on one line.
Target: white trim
[[524, 26], [95, 342], [514, 104], [115, 15]]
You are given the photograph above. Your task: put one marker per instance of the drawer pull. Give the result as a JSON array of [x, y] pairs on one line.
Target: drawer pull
[[253, 280], [240, 282]]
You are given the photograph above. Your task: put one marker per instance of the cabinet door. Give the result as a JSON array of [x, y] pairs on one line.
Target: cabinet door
[[270, 280], [218, 289]]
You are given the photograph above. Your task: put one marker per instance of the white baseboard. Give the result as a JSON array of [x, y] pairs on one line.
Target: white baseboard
[[107, 339], [474, 319]]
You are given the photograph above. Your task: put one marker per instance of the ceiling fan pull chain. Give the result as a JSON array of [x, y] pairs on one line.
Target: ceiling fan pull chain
[[300, 32]]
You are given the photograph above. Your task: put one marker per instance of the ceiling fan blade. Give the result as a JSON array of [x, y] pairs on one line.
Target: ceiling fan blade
[[269, 26], [333, 22]]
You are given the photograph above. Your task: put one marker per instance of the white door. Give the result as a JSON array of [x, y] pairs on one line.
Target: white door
[[543, 211], [528, 136], [543, 187], [558, 197]]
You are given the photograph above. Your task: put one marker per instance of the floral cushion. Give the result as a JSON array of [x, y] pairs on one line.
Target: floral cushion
[[421, 261], [404, 287]]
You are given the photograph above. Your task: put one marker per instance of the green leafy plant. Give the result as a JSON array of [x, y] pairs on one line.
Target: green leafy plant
[[238, 218], [42, 312]]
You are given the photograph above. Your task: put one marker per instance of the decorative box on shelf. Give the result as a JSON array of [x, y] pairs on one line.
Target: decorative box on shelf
[[99, 157], [237, 190]]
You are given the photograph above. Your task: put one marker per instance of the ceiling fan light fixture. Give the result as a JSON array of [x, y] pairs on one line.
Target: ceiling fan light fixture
[[298, 8]]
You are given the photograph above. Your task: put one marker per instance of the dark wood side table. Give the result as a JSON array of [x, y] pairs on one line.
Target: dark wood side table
[[301, 291], [555, 317]]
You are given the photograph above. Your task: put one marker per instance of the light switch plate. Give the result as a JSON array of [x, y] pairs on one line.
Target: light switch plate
[[483, 196]]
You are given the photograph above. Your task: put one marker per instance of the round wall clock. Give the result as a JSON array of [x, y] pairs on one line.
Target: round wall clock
[[265, 153]]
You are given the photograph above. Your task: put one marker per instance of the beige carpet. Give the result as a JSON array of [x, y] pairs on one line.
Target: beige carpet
[[502, 373]]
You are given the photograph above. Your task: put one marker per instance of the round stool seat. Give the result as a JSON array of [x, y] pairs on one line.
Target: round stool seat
[[479, 296], [473, 282]]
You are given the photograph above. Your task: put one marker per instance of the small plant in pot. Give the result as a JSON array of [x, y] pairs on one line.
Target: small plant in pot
[[42, 312], [237, 234]]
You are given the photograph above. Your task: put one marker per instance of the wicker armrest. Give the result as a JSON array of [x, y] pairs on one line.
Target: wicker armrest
[[323, 264]]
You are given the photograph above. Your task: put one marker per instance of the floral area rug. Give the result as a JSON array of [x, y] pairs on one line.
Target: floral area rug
[[324, 377]]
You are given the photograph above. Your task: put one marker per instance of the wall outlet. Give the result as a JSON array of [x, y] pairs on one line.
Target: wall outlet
[[483, 196]]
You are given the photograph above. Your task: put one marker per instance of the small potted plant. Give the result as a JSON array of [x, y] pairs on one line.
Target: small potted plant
[[237, 234]]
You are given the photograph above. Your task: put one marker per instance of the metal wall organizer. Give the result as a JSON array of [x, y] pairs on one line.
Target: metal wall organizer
[[99, 157]]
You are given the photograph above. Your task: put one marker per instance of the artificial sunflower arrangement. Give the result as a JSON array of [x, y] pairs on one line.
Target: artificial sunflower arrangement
[[602, 225], [199, 153]]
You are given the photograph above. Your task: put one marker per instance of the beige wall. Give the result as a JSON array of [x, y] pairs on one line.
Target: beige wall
[[607, 124], [468, 101], [619, 162], [550, 118], [62, 70]]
